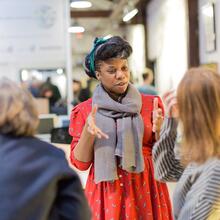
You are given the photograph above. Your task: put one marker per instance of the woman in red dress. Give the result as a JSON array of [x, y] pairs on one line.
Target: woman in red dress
[[113, 133]]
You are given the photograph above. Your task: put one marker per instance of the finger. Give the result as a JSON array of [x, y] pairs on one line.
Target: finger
[[98, 135], [171, 104], [158, 118], [159, 112], [155, 104], [102, 134], [154, 128], [90, 121], [166, 94], [94, 110], [91, 131], [168, 98]]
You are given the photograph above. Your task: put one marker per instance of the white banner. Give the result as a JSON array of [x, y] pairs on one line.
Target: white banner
[[33, 33]]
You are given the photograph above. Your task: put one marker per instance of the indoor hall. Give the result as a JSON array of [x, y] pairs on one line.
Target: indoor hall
[[43, 45]]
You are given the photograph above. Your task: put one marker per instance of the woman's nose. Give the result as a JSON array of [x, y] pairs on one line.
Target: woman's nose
[[120, 74]]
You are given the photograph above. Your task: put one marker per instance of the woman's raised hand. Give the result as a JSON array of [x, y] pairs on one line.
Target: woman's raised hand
[[170, 102], [91, 125], [157, 119]]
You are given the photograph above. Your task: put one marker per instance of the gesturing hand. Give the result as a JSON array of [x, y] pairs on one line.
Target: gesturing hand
[[171, 107], [157, 119], [91, 125]]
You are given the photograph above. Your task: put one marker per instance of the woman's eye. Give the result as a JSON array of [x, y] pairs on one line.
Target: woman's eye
[[111, 71], [125, 68]]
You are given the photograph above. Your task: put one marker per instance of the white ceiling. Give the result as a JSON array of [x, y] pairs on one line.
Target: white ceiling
[[98, 25]]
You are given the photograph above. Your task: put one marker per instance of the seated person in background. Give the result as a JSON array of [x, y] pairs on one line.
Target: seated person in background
[[50, 91], [147, 87], [34, 87], [196, 162], [36, 182]]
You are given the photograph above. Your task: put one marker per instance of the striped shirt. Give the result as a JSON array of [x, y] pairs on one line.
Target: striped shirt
[[197, 193]]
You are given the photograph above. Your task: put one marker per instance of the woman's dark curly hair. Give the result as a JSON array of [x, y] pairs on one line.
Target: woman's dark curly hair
[[114, 47]]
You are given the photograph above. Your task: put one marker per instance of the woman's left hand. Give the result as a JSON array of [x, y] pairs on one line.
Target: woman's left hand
[[157, 119]]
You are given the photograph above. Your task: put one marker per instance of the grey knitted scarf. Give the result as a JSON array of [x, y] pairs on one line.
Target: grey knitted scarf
[[124, 126]]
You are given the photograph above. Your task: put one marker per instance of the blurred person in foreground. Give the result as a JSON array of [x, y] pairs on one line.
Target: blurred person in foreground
[[193, 157], [148, 79], [113, 133], [36, 182]]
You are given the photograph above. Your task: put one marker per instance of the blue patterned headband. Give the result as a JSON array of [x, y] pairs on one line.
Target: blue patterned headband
[[97, 42]]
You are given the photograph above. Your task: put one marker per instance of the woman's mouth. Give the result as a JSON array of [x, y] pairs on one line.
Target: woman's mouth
[[121, 84]]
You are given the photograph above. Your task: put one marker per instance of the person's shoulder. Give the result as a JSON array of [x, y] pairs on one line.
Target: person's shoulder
[[213, 166], [81, 111], [148, 100], [33, 147], [46, 147], [86, 103], [83, 106], [147, 89], [211, 177], [208, 171], [148, 96]]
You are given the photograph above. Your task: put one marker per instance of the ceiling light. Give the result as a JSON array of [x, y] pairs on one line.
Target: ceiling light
[[80, 4], [60, 71], [130, 14], [208, 10], [76, 29], [24, 75]]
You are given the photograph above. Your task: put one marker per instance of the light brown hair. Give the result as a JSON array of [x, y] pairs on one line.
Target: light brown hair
[[198, 98], [18, 114]]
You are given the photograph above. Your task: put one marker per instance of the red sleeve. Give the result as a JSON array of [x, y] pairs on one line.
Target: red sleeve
[[77, 122]]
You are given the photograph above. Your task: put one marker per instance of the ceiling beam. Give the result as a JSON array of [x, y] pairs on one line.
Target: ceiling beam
[[91, 14], [118, 9]]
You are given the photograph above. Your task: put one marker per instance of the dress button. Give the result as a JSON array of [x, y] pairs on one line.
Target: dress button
[[120, 176], [121, 184]]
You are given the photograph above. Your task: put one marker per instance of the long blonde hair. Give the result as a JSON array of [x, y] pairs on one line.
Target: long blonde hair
[[198, 98], [18, 114]]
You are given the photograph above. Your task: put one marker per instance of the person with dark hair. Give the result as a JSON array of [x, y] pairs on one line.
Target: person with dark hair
[[36, 183], [147, 87], [188, 150], [86, 92], [50, 91], [77, 87], [112, 132]]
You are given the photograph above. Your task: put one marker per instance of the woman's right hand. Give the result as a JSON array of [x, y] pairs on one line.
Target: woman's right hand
[[170, 103], [91, 125]]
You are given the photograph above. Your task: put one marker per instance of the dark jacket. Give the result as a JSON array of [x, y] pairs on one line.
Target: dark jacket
[[36, 182]]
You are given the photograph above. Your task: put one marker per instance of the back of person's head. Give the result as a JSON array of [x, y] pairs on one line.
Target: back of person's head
[[105, 49], [18, 114], [76, 86], [198, 98], [148, 75]]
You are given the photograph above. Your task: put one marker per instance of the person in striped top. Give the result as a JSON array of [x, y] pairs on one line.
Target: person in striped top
[[193, 160]]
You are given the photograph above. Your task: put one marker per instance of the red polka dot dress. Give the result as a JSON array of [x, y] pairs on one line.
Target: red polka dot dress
[[132, 196]]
